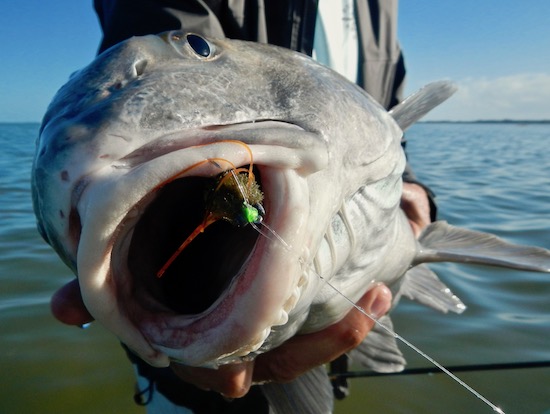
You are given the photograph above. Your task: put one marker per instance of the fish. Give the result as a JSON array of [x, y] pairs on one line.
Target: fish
[[132, 145]]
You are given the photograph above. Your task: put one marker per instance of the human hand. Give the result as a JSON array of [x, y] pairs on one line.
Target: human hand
[[283, 364], [296, 356], [415, 204]]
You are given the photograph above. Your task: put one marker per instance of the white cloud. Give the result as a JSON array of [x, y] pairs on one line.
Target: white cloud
[[521, 97]]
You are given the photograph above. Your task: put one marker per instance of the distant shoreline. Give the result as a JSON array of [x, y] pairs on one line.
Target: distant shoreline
[[490, 121]]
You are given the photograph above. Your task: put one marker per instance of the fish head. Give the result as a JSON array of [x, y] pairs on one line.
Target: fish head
[[132, 143]]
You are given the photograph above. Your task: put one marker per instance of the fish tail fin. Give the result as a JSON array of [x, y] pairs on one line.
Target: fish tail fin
[[441, 242]]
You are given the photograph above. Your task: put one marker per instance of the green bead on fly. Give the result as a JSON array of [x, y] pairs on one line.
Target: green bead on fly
[[236, 197], [251, 213]]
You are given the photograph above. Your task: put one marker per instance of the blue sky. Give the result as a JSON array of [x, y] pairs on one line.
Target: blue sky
[[497, 51]]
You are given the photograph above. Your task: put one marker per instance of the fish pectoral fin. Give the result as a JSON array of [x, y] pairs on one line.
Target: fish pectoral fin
[[415, 106], [379, 351], [423, 286], [441, 242], [310, 393]]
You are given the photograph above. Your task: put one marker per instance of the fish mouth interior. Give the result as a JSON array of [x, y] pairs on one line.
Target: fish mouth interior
[[205, 268]]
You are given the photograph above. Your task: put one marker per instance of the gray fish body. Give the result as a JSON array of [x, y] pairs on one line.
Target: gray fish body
[[118, 182]]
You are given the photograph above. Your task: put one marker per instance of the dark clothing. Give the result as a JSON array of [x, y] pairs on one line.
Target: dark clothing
[[287, 23], [180, 393]]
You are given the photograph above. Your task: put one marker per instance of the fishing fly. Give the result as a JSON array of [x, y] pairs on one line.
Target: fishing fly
[[234, 196]]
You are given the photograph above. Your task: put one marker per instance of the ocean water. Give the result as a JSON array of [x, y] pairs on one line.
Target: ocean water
[[489, 177]]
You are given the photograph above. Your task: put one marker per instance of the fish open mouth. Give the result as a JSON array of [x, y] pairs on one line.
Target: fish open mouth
[[221, 296], [204, 269]]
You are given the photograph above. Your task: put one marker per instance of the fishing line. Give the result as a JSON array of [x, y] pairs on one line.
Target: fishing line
[[272, 235], [417, 350]]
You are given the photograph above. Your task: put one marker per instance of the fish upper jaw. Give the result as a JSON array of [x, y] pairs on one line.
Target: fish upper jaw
[[276, 143], [267, 281]]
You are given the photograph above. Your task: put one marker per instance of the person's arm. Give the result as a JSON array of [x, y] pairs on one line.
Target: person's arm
[[382, 74]]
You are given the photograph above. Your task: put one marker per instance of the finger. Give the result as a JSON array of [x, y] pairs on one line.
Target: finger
[[304, 352], [67, 305], [232, 380], [416, 205]]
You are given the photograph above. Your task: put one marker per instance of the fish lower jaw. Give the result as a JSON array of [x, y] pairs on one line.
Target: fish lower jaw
[[236, 328], [250, 318], [278, 331]]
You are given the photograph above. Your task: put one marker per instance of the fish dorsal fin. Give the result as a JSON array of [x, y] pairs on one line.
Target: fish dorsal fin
[[379, 351], [415, 106], [310, 393], [441, 242], [423, 286]]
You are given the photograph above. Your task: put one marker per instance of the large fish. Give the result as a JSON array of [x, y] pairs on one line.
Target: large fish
[[131, 144]]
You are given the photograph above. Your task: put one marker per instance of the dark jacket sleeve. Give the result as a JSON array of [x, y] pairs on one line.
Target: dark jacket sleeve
[[122, 19], [381, 63]]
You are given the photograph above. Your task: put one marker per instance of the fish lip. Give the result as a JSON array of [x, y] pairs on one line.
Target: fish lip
[[310, 147], [182, 337]]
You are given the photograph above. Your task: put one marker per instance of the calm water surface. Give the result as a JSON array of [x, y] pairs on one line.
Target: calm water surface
[[487, 177]]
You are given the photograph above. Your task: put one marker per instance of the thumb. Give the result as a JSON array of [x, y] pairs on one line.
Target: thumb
[[68, 307]]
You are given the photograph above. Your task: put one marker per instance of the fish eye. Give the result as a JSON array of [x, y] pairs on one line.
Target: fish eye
[[199, 45]]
